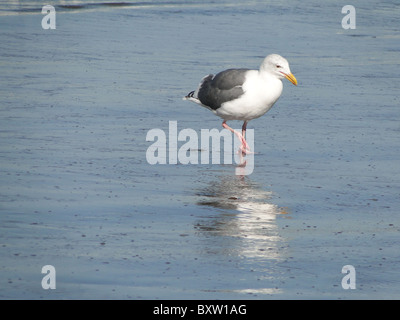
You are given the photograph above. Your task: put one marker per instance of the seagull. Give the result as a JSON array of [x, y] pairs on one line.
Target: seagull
[[243, 94]]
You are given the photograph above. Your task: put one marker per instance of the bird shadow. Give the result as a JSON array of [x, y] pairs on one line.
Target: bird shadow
[[239, 210]]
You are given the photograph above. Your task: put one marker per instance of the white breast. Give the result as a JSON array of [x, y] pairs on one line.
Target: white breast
[[261, 92]]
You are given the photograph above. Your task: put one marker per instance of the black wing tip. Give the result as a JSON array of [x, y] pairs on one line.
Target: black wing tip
[[190, 94]]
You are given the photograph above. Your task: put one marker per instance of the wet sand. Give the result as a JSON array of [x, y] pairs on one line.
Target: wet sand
[[78, 193]]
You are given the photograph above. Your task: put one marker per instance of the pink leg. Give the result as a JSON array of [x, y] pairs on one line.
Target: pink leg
[[244, 147], [244, 129], [244, 134]]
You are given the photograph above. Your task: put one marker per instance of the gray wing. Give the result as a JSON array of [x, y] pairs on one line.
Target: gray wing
[[225, 86]]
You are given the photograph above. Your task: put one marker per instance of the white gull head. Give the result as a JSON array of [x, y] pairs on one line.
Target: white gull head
[[278, 66]]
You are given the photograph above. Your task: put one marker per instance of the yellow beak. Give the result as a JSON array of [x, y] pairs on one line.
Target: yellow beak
[[291, 78]]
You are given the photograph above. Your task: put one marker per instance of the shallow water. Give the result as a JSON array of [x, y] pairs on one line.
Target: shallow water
[[78, 193]]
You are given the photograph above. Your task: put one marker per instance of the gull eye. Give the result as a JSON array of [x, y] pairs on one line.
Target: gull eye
[[278, 66]]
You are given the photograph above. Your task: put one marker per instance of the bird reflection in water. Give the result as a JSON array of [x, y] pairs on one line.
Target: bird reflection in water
[[246, 224]]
